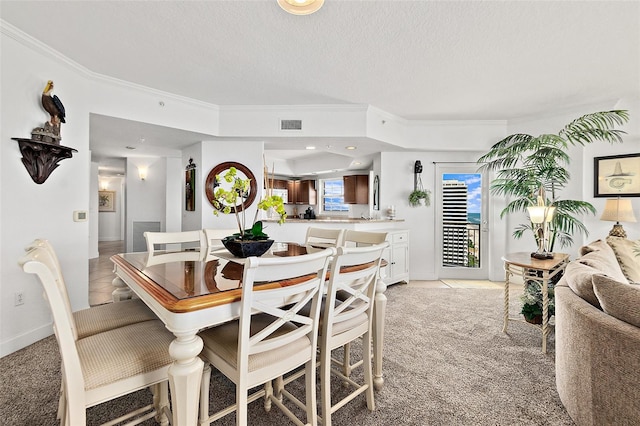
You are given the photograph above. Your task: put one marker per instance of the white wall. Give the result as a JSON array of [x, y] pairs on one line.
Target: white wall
[[40, 211], [396, 182], [110, 224], [32, 211], [94, 229]]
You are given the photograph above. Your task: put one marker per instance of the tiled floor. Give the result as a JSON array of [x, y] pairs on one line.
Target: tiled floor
[[101, 274]]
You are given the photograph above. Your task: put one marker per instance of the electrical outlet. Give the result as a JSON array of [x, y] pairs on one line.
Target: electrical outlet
[[19, 298]]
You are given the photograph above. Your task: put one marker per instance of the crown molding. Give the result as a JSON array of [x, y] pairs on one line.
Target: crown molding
[[41, 48]]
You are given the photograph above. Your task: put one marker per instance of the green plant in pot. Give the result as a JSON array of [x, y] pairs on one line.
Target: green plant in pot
[[249, 241], [419, 196], [531, 299], [527, 166]]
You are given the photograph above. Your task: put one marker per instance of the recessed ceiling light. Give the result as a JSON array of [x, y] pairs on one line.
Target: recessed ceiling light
[[130, 147], [356, 163], [311, 147], [350, 147], [301, 7]]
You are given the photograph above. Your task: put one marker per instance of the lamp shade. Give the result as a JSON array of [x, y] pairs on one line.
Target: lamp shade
[[541, 214], [618, 210]]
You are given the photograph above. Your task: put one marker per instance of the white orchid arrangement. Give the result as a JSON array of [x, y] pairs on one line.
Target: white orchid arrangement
[[224, 200]]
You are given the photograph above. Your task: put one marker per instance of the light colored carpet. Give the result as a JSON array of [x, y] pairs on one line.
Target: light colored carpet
[[446, 362]]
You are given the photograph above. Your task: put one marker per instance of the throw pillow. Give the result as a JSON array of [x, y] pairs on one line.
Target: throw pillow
[[628, 260], [594, 246], [617, 299], [578, 277], [604, 261]]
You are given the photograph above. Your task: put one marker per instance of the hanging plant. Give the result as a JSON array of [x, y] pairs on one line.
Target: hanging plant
[[419, 196]]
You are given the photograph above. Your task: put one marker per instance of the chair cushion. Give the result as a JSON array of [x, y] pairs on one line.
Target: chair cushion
[[628, 260], [124, 352], [111, 315], [620, 300], [223, 341]]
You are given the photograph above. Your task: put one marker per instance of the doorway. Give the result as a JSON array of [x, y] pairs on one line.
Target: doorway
[[462, 231]]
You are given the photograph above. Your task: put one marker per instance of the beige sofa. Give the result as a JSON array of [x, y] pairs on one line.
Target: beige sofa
[[598, 335]]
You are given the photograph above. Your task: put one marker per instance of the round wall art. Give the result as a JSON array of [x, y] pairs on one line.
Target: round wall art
[[243, 172]]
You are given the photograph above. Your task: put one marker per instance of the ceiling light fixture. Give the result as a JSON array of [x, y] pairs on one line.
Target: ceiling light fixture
[[301, 7], [311, 147], [351, 148]]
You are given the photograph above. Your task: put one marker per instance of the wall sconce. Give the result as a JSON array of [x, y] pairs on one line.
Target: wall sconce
[[142, 172], [104, 184], [618, 210]]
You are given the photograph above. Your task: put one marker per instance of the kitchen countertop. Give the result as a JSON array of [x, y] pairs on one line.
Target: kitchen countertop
[[335, 220]]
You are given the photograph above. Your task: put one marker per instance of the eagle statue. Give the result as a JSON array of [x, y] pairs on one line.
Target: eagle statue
[[53, 105]]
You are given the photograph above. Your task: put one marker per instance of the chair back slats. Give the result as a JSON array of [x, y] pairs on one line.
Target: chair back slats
[[214, 236], [175, 240], [314, 268], [320, 238], [359, 285], [363, 238]]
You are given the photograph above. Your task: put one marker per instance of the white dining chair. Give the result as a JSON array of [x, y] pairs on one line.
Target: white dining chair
[[343, 321], [363, 238], [100, 318], [269, 341], [175, 240], [356, 239], [321, 238], [106, 365], [214, 237]]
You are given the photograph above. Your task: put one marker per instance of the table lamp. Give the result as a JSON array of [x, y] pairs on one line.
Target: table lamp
[[541, 215], [618, 210]]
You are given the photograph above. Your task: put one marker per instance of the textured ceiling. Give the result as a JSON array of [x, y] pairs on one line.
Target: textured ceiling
[[415, 59]]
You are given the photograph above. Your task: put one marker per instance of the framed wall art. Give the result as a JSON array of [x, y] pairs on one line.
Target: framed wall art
[[616, 176], [106, 201], [190, 186]]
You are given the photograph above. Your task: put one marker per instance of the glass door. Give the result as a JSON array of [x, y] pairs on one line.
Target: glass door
[[462, 230]]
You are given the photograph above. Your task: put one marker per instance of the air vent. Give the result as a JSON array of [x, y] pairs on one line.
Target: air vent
[[290, 124]]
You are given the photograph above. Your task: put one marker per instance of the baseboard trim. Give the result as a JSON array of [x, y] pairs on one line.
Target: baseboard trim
[[22, 341]]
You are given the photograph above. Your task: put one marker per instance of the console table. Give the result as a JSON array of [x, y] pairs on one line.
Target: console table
[[530, 269]]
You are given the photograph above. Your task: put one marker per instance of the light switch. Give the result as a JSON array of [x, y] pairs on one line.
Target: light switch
[[80, 216]]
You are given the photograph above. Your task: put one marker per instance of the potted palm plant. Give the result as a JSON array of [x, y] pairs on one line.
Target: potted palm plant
[[527, 166], [249, 241], [531, 171]]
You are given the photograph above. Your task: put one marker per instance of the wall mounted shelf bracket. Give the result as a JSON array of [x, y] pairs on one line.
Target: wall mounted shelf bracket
[[42, 158]]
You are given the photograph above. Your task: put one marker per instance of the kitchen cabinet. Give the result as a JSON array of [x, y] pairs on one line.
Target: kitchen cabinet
[[356, 189], [397, 256], [280, 183], [302, 192]]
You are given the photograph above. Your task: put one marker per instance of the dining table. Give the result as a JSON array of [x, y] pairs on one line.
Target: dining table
[[194, 289]]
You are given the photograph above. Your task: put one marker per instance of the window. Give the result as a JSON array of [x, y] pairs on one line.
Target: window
[[333, 196]]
